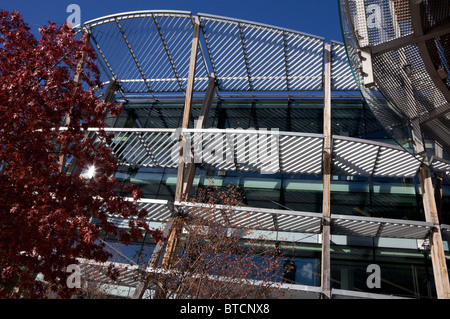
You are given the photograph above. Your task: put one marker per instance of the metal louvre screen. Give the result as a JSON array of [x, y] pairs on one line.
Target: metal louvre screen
[[441, 165], [353, 156], [225, 51], [258, 218], [396, 163], [342, 78], [381, 227], [289, 221], [147, 52], [247, 56], [263, 151], [302, 154]]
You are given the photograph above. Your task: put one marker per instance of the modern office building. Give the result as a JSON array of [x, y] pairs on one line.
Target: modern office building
[[336, 185]]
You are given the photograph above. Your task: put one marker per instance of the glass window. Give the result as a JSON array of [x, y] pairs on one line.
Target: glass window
[[401, 272]]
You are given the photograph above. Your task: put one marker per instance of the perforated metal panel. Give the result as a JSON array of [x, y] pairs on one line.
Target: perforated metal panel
[[407, 46]]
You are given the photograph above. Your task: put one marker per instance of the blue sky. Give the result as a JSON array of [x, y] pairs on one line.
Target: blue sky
[[315, 17]]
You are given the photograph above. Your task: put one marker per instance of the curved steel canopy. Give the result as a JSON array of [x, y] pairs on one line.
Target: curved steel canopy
[[148, 54], [399, 51]]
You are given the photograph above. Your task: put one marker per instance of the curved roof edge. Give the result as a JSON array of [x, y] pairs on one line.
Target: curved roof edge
[[121, 14], [138, 12], [259, 24]]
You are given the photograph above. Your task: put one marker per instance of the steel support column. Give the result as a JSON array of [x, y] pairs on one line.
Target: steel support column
[[173, 228], [436, 246], [190, 167], [326, 221], [438, 259], [172, 241]]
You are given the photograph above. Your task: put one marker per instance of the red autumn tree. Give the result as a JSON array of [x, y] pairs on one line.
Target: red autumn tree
[[45, 213]]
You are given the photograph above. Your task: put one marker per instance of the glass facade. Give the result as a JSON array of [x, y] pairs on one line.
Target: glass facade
[[406, 269]]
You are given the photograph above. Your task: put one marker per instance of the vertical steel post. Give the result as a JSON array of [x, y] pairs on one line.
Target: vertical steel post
[[326, 219], [174, 227], [437, 253], [189, 170], [177, 227]]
